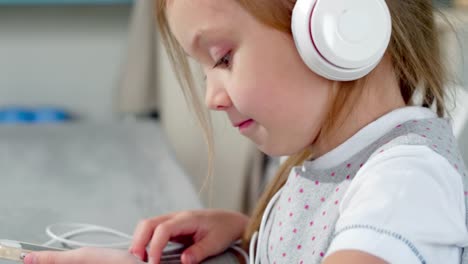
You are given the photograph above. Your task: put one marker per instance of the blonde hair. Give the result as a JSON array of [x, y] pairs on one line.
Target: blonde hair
[[414, 52]]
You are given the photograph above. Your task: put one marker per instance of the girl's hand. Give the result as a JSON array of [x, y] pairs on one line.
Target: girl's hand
[[82, 256], [210, 232]]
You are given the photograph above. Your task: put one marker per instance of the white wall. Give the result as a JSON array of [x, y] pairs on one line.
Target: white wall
[[64, 56], [462, 46]]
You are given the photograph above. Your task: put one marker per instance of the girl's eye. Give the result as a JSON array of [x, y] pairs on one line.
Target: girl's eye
[[224, 61]]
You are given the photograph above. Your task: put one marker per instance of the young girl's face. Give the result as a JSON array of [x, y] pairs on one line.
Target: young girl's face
[[253, 73]]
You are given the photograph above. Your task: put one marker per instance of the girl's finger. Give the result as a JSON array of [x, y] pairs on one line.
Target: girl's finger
[[49, 257], [143, 234], [201, 250], [180, 226]]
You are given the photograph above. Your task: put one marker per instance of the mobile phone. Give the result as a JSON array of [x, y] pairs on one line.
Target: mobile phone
[[17, 251]]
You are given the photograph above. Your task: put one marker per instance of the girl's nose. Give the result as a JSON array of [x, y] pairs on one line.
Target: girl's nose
[[217, 98]]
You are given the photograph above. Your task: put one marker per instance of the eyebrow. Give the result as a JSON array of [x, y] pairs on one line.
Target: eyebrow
[[200, 35], [195, 42]]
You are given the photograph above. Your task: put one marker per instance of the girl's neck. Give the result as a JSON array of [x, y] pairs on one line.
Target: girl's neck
[[380, 96]]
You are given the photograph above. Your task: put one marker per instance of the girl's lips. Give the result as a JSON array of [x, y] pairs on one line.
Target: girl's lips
[[246, 124]]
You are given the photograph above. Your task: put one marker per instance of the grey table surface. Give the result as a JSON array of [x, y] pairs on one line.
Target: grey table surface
[[112, 174]]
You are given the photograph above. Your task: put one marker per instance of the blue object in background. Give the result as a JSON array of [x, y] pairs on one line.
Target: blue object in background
[[51, 115], [16, 115], [23, 115]]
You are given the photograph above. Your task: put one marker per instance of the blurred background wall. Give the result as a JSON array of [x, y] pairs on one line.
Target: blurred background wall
[[63, 55]]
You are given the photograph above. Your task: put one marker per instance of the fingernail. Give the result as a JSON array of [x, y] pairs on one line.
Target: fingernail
[[136, 255], [189, 258], [30, 259]]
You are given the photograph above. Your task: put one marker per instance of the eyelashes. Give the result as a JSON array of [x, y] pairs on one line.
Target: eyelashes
[[225, 61]]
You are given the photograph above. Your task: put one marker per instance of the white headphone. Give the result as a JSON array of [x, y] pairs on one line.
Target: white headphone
[[341, 40]]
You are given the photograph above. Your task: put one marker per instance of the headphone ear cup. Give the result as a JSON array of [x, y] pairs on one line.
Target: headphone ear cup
[[341, 40]]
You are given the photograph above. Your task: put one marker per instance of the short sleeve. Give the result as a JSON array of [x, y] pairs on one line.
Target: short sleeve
[[406, 205]]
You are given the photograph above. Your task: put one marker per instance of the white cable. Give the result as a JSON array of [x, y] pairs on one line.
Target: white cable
[[242, 252], [259, 235], [86, 229], [81, 229], [253, 241]]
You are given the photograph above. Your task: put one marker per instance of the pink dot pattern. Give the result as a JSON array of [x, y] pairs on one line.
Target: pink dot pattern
[[303, 224]]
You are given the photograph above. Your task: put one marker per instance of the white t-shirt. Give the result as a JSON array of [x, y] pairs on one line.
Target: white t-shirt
[[387, 189]]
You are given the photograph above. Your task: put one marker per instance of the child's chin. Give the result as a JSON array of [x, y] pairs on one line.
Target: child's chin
[[275, 151]]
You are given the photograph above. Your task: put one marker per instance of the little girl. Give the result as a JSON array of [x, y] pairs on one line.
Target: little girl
[[353, 91]]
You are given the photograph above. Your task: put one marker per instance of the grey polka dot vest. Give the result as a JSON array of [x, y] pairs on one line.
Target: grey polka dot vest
[[301, 224]]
